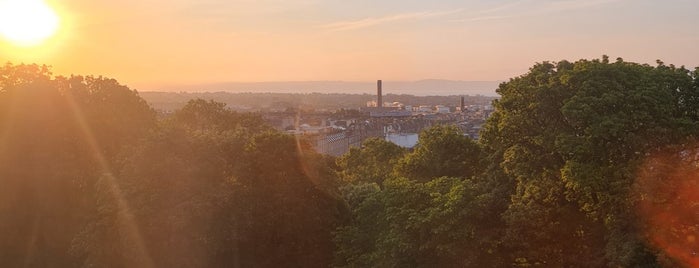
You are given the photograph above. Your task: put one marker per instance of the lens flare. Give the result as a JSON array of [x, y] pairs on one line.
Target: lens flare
[[127, 221], [667, 198]]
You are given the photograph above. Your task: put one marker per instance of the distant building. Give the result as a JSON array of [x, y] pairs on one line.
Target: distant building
[[379, 99], [424, 109], [386, 112], [441, 109]]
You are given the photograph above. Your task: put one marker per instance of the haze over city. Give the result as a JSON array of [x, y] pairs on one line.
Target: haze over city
[[308, 133], [157, 44]]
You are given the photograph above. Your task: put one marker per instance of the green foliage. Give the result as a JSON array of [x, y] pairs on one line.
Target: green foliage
[[665, 197], [373, 162], [441, 151], [424, 219], [91, 177], [57, 136], [200, 115], [412, 224], [570, 136], [226, 192]]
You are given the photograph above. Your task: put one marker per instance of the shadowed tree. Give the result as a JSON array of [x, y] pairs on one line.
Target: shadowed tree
[[212, 187], [57, 136]]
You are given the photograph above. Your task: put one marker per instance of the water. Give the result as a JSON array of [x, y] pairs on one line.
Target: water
[[406, 140]]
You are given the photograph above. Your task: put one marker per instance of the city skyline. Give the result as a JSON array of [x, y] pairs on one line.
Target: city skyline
[[148, 44]]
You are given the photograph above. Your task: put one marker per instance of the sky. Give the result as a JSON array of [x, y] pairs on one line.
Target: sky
[[149, 43]]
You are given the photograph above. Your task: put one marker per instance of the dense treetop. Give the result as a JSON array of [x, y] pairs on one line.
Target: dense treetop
[[92, 178], [583, 164]]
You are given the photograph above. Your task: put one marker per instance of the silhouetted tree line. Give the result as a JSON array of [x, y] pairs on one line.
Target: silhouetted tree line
[[584, 164], [90, 177]]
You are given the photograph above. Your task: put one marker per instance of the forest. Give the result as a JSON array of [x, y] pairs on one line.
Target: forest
[[592, 163]]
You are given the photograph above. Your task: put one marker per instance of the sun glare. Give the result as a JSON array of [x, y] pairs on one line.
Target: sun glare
[[27, 22]]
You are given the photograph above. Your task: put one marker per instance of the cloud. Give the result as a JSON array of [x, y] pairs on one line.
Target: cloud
[[482, 18], [491, 13], [534, 8], [576, 4], [369, 22], [502, 7]]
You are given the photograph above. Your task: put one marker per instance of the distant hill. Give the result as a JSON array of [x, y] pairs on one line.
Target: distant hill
[[429, 87]]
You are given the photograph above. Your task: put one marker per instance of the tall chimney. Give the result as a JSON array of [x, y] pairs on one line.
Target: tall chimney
[[379, 101], [462, 104]]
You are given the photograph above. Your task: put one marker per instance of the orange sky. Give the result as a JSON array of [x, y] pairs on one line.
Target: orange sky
[[147, 43]]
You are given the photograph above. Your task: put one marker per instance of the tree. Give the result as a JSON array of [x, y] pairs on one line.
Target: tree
[[58, 136], [570, 136], [212, 187], [373, 162], [414, 224], [424, 222], [664, 196], [441, 151]]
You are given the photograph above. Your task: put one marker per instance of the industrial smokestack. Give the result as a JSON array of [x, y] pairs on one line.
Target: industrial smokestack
[[462, 104], [379, 101]]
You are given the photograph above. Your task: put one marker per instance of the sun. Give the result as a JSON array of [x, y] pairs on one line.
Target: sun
[[27, 22]]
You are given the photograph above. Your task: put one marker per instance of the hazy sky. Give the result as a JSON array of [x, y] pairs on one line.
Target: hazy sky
[[144, 43]]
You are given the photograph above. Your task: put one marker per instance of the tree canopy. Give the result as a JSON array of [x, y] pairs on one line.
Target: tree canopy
[[441, 151], [589, 163], [91, 177], [571, 137], [553, 181]]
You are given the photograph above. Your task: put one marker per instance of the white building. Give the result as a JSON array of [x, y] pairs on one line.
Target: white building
[[441, 109]]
